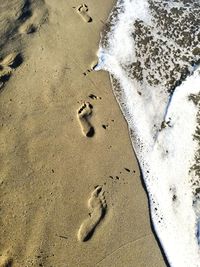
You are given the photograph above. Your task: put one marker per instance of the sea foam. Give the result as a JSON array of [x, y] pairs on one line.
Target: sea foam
[[150, 49]]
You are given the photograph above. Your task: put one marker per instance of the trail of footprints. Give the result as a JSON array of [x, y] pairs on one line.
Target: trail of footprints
[[96, 203], [97, 207]]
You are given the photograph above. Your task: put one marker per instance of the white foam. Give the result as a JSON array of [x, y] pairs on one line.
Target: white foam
[[165, 156], [178, 229]]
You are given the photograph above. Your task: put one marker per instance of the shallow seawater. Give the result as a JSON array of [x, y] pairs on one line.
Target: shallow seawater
[[151, 50]]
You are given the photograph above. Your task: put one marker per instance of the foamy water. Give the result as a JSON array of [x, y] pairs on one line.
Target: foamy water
[[150, 49]]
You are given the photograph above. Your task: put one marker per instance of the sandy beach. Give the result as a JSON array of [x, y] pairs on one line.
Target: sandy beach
[[70, 187]]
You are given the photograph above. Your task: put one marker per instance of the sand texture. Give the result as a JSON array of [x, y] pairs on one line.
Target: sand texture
[[70, 188]]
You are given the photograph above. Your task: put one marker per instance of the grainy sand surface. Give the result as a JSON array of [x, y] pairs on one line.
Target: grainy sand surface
[[70, 188]]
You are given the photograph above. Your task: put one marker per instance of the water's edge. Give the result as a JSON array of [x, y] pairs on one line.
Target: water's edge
[[155, 79]]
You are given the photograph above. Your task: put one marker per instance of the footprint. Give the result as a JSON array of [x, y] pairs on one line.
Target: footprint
[[32, 16], [5, 73], [12, 61], [7, 64], [83, 114], [97, 206], [27, 28], [82, 10]]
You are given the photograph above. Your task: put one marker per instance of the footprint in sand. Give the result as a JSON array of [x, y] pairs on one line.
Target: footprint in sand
[[12, 61], [27, 28], [32, 16], [97, 206], [83, 114], [5, 73], [7, 64], [82, 10]]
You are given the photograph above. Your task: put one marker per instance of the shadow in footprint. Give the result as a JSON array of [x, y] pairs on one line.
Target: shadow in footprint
[[17, 61], [26, 11], [91, 132], [5, 78], [90, 233]]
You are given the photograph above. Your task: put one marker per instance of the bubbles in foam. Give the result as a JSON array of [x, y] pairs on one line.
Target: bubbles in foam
[[151, 51]]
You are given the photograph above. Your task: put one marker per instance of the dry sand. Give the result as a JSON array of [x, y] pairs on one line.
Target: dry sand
[[66, 199]]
